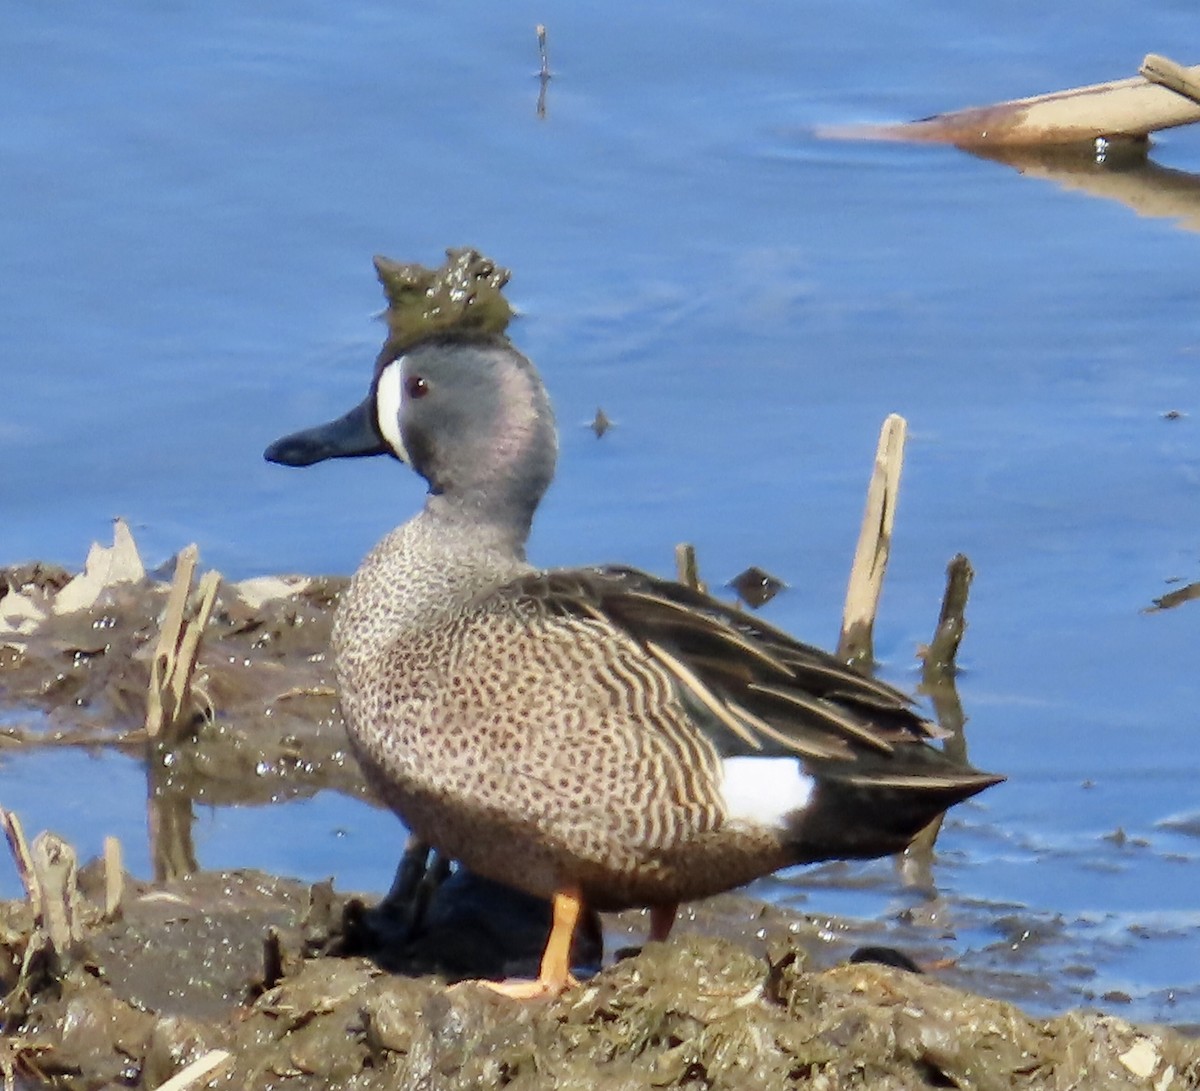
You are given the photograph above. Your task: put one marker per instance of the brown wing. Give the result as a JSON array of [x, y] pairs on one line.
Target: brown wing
[[753, 688]]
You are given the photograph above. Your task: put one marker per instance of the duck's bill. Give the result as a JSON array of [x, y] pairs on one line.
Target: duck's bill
[[350, 436]]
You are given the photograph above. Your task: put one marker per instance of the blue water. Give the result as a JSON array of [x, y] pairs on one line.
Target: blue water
[[192, 197]]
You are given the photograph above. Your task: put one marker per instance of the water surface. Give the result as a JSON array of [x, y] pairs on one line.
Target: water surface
[[193, 197]]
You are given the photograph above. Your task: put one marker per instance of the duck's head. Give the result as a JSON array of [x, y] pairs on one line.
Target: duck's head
[[470, 416]]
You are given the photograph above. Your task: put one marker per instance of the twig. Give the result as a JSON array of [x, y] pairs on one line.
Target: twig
[[541, 38], [189, 650], [687, 567], [874, 545], [21, 856], [114, 878], [170, 636], [544, 76], [54, 863], [942, 651], [939, 682], [302, 691], [169, 701], [196, 1071]]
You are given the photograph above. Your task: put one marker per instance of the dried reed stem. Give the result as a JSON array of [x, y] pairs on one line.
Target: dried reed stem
[[19, 848], [198, 1070], [874, 545], [942, 651], [687, 568], [114, 878], [169, 701], [55, 865]]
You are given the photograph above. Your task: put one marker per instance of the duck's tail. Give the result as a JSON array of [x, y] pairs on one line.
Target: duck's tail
[[857, 811]]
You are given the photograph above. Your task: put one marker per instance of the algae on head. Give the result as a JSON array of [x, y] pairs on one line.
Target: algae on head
[[461, 296]]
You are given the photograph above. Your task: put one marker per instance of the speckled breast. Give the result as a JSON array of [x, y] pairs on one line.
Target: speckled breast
[[499, 736]]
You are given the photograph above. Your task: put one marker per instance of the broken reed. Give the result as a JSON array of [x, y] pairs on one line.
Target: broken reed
[[942, 650], [869, 567], [171, 703], [855, 645]]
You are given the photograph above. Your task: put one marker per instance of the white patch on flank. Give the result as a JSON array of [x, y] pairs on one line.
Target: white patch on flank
[[764, 790], [387, 406]]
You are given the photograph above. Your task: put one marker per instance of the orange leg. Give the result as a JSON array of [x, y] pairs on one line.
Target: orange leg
[[555, 974], [662, 917]]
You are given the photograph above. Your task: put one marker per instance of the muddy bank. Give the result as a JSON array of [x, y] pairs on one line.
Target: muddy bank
[[262, 723], [288, 982]]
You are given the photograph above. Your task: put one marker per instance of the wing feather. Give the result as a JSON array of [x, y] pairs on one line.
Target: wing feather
[[769, 692]]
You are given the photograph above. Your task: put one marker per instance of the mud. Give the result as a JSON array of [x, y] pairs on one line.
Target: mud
[[285, 980], [263, 665]]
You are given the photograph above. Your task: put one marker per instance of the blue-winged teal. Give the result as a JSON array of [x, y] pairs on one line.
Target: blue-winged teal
[[591, 735]]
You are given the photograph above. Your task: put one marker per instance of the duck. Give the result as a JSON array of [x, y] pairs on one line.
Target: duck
[[599, 737]]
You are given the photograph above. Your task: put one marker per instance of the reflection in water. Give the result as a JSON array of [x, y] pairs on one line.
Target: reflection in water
[[170, 817], [939, 682], [1117, 172], [1115, 168]]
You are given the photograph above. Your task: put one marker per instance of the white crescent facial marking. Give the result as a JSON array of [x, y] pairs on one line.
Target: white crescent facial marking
[[388, 395], [764, 791]]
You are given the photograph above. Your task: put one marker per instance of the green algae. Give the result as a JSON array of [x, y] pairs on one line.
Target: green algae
[[463, 296]]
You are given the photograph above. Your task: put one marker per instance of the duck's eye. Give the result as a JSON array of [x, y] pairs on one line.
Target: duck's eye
[[415, 386]]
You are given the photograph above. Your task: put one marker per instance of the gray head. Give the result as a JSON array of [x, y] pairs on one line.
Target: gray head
[[470, 416]]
